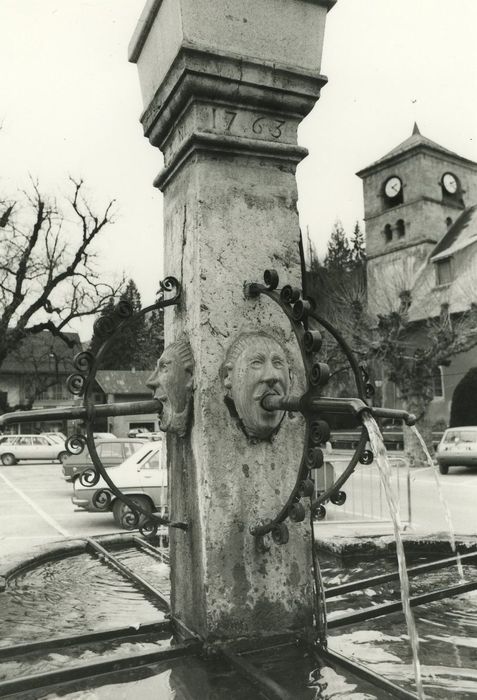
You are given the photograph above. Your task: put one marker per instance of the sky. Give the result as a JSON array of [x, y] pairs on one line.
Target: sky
[[70, 105]]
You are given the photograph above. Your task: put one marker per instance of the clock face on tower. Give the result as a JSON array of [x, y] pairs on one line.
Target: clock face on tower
[[392, 187], [449, 183]]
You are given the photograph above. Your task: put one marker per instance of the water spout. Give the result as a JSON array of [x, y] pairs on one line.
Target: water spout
[[384, 468], [445, 505]]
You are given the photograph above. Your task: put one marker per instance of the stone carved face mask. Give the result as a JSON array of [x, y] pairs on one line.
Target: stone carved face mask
[[256, 365], [172, 383]]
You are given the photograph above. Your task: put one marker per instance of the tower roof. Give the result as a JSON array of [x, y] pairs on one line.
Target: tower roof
[[416, 140]]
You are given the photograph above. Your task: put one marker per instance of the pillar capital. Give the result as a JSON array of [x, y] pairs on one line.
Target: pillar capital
[[218, 89]]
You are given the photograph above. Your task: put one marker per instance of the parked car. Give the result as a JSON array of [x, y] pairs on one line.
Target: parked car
[[142, 477], [104, 436], [458, 448], [60, 437], [39, 447], [112, 452], [142, 433], [7, 438], [145, 434]]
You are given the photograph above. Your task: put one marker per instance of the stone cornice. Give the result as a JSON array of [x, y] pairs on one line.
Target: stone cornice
[[200, 142], [400, 207], [199, 73]]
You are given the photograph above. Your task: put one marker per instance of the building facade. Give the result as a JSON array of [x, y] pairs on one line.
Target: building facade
[[34, 376], [420, 204]]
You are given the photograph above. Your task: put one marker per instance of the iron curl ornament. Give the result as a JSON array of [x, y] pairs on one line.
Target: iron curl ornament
[[107, 328], [81, 384], [314, 406]]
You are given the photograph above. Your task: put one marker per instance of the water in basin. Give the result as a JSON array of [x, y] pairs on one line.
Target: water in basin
[[75, 595], [41, 604]]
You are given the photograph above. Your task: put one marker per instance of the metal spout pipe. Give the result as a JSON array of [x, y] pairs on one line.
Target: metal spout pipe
[[71, 412], [307, 404]]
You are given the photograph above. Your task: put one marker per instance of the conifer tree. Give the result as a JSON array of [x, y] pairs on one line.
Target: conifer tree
[[125, 351], [358, 248], [338, 255], [140, 344]]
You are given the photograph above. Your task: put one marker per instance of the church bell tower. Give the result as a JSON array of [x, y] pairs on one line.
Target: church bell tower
[[411, 197]]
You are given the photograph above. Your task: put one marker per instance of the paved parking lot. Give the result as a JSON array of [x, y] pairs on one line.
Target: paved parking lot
[[35, 507]]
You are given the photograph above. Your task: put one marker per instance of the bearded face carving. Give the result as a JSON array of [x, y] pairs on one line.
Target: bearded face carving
[[255, 366], [172, 383]]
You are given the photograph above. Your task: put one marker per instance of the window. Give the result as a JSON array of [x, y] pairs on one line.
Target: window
[[388, 233], [131, 447], [153, 462], [443, 271], [111, 449], [40, 441], [400, 228], [438, 383], [55, 392]]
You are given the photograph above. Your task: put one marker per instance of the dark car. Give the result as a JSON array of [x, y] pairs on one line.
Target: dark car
[[112, 452]]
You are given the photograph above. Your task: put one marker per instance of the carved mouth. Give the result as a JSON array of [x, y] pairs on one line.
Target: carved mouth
[[268, 392]]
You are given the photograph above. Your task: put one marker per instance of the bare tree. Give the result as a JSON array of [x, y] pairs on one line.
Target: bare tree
[[412, 353], [48, 272]]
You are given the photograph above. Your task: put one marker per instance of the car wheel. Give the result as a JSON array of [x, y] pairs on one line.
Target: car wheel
[[63, 456], [444, 468], [123, 515], [8, 459]]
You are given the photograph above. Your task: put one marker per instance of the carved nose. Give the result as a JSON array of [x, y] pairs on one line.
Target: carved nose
[[271, 374], [152, 381]]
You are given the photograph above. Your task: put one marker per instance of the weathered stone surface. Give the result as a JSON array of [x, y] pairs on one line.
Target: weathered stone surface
[[281, 32], [223, 100]]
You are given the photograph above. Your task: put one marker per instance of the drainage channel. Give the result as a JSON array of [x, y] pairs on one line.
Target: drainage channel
[[43, 663], [378, 610]]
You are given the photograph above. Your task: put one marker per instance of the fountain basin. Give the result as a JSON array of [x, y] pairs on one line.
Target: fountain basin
[[130, 659]]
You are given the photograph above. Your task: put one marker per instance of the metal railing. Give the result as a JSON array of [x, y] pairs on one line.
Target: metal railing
[[365, 496]]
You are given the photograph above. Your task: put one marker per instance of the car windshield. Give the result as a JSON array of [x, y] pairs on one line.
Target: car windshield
[[461, 436]]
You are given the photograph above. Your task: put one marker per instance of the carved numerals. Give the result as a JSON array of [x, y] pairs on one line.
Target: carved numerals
[[245, 123], [204, 119]]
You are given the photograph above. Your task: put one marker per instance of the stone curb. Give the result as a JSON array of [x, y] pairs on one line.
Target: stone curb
[[386, 544], [11, 565]]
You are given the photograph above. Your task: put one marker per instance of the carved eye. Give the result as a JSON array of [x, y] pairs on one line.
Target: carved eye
[[257, 363], [278, 362]]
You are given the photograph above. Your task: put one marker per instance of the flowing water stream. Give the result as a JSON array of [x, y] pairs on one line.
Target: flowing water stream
[[445, 505], [384, 468]]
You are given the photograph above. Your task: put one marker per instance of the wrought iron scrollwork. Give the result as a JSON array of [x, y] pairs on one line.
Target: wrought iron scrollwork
[[306, 324], [106, 329], [75, 444]]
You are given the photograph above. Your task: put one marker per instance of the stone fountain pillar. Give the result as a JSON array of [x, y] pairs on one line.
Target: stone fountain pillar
[[225, 84]]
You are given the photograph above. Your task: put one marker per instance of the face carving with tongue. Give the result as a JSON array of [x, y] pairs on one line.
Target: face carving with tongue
[[172, 383], [256, 366]]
